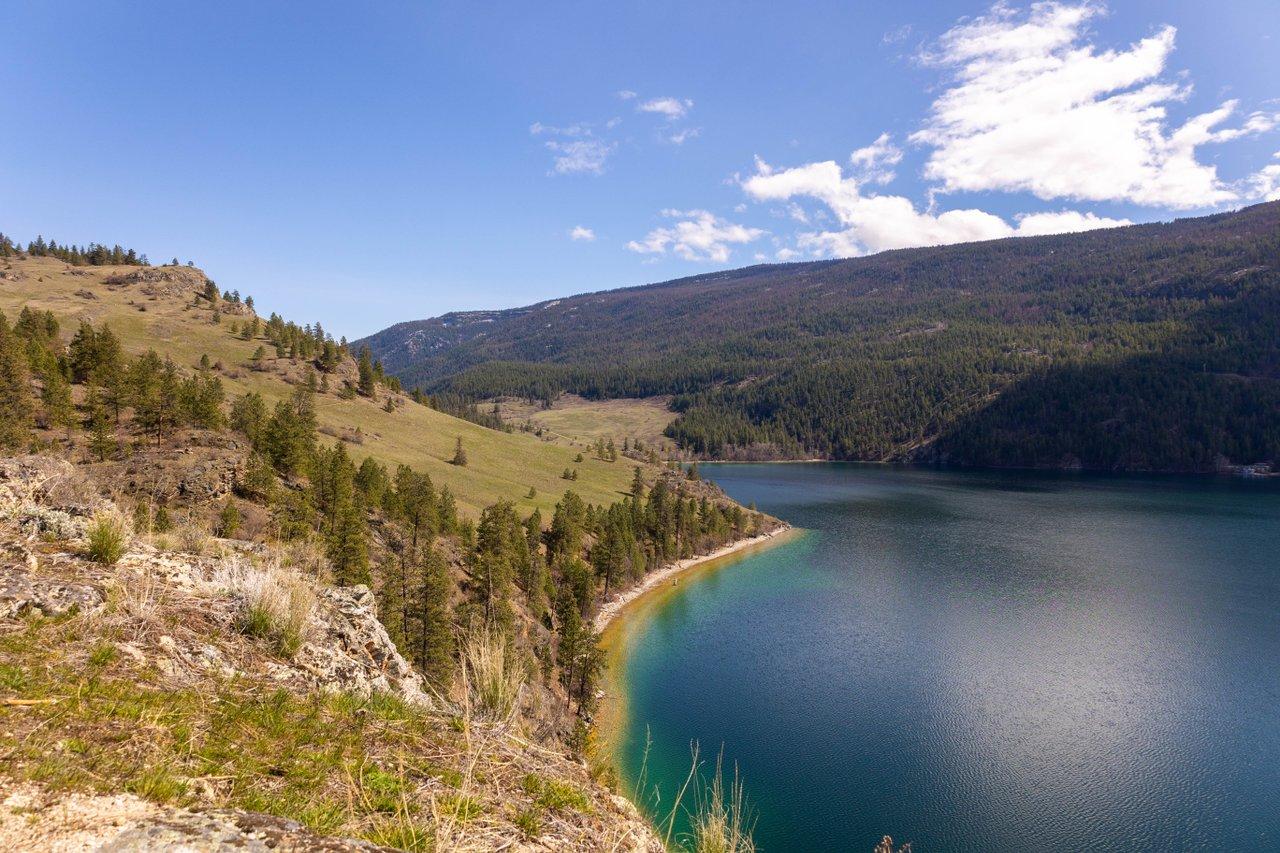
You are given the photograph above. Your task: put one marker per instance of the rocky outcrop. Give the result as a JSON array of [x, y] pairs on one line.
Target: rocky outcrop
[[183, 473], [21, 594], [350, 649], [32, 819]]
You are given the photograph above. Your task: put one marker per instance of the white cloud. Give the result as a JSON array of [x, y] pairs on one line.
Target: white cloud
[[875, 161], [698, 236], [1063, 222], [902, 33], [577, 149], [540, 129], [1266, 182], [874, 223], [679, 137], [626, 94], [579, 232], [580, 156], [1035, 106], [672, 108]]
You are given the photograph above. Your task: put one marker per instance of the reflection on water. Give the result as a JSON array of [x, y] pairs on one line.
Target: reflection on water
[[979, 661]]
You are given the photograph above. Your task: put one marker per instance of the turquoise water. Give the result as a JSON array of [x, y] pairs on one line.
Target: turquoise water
[[981, 661]]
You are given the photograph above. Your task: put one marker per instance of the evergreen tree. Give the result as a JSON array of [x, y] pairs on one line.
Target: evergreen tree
[[367, 381], [249, 416], [459, 455], [56, 400], [434, 645], [16, 406], [102, 441], [342, 517]]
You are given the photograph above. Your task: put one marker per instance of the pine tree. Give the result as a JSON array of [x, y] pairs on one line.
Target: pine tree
[[368, 380], [16, 406], [56, 400], [572, 636], [432, 589], [342, 517], [459, 455], [102, 442], [502, 554]]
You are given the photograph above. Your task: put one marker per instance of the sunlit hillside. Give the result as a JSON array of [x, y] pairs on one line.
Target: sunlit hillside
[[162, 314]]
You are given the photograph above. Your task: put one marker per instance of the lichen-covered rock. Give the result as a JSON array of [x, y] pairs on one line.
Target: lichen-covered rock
[[351, 651], [21, 594], [32, 820], [45, 497]]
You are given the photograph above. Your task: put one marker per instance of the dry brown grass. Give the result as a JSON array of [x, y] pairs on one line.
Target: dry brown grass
[[492, 677]]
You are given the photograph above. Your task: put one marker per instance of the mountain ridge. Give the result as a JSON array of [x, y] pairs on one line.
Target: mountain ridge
[[892, 356]]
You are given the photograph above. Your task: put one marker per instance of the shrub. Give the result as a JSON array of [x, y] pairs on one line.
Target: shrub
[[192, 538], [108, 536]]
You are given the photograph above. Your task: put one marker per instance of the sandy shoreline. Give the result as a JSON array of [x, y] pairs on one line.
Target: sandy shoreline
[[612, 608]]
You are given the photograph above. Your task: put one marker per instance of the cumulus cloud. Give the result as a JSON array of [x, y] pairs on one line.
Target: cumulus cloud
[[699, 235], [875, 162], [874, 223], [1063, 222], [1266, 182], [1033, 105], [579, 232], [671, 108], [626, 94]]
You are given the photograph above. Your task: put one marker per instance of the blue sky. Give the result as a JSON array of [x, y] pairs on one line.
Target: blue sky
[[363, 164]]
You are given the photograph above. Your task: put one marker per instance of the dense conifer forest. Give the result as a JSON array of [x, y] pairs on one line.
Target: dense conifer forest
[[1151, 347]]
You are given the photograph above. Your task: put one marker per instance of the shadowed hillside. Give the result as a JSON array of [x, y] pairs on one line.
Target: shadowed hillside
[[899, 355]]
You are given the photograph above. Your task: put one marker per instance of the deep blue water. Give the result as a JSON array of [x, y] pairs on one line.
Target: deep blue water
[[981, 661]]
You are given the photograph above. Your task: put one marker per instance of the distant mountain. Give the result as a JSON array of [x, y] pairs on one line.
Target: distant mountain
[[1151, 347]]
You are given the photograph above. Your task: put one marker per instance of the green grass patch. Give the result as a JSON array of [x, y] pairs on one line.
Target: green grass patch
[[554, 795], [336, 763]]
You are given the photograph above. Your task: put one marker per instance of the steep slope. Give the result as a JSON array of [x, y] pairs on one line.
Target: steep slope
[[142, 710], [1148, 347], [152, 308]]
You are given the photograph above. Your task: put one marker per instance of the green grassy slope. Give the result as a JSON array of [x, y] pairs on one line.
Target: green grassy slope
[[501, 465]]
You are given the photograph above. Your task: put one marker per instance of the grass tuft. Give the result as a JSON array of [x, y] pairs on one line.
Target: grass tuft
[[721, 820], [277, 603], [554, 795], [108, 537], [492, 677]]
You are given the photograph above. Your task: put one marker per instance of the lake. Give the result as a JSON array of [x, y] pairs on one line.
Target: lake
[[978, 661]]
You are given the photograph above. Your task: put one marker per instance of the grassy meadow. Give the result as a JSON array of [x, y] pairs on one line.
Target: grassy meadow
[[500, 465], [581, 422]]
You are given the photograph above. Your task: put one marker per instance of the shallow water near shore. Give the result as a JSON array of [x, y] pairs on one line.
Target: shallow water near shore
[[978, 661]]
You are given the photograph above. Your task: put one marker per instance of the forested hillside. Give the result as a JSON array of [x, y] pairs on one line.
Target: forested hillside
[[269, 461], [1152, 347]]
